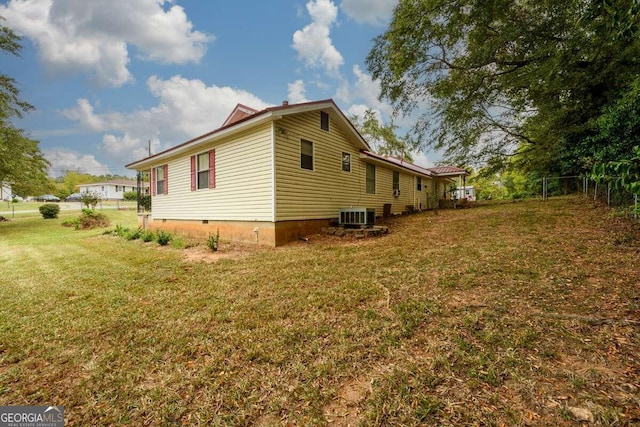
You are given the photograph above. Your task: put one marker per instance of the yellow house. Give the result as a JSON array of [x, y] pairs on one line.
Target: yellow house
[[274, 175]]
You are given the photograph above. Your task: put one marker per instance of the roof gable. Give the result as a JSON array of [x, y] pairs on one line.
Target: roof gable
[[238, 113], [235, 123]]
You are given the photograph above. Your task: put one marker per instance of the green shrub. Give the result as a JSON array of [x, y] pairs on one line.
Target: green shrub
[[90, 200], [163, 238], [145, 201], [130, 196], [49, 211], [90, 220], [133, 234], [120, 231], [71, 222], [213, 241], [147, 236]]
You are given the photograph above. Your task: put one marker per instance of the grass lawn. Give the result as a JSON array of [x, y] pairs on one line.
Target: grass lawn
[[30, 209], [510, 314]]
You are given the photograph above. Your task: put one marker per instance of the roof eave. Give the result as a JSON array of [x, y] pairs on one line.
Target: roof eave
[[450, 174], [319, 105], [269, 114], [391, 165], [192, 144]]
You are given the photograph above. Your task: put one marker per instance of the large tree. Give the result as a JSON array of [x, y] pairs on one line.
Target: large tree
[[496, 78], [22, 164], [382, 137]]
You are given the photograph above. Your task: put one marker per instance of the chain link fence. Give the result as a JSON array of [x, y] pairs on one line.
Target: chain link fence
[[605, 193]]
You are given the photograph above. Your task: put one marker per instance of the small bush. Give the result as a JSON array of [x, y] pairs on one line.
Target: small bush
[[133, 234], [130, 196], [213, 241], [90, 220], [90, 200], [145, 201], [163, 238], [120, 231], [71, 222], [147, 236], [49, 211]]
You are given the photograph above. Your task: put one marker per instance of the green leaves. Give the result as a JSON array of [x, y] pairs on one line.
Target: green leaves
[[492, 78], [10, 104], [381, 137], [623, 173], [21, 163]]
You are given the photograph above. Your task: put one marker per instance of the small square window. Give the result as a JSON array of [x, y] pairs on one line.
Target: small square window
[[346, 162]]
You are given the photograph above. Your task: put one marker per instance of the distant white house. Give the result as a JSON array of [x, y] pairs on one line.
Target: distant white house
[[467, 192], [5, 191], [112, 190]]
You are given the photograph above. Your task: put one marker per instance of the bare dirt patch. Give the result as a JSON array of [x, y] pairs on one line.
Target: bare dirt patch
[[343, 411], [231, 250]]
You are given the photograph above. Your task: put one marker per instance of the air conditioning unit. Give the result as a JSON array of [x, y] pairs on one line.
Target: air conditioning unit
[[396, 193], [357, 216]]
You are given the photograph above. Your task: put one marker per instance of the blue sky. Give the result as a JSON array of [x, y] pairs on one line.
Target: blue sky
[[106, 77]]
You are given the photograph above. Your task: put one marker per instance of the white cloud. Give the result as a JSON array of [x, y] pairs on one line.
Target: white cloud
[[368, 90], [127, 146], [296, 92], [185, 109], [359, 110], [423, 159], [83, 113], [63, 159], [374, 12], [363, 95], [313, 43], [94, 37]]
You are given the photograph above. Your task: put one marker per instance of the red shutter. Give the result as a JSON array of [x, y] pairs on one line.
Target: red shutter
[[212, 169], [193, 173], [166, 179], [153, 181]]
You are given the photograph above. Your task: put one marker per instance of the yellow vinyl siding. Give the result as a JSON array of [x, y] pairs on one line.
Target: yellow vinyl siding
[[384, 191], [243, 182], [321, 192]]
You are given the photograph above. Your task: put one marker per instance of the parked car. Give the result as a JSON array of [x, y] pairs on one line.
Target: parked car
[[12, 198], [75, 197], [47, 198]]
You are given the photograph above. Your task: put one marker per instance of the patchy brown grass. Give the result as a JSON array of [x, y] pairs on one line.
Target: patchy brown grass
[[515, 314]]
